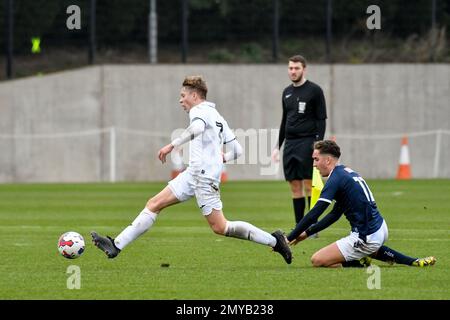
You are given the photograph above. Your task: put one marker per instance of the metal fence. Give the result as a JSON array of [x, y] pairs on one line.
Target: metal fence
[[49, 35]]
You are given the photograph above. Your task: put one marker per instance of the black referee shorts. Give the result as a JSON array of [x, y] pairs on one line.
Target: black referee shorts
[[297, 158]]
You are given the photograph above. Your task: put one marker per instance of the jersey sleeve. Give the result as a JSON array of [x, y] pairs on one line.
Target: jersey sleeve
[[308, 220], [282, 133], [195, 128], [196, 113], [321, 108], [228, 135], [327, 221], [330, 188]]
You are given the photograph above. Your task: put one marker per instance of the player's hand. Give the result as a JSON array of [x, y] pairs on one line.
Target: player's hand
[[276, 155], [164, 152], [301, 237]]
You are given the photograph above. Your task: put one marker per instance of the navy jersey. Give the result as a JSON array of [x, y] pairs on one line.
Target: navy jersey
[[354, 199]]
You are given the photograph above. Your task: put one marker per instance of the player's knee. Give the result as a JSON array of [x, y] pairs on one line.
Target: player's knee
[[297, 190], [297, 193], [295, 186], [218, 228], [317, 261], [154, 205], [308, 190]]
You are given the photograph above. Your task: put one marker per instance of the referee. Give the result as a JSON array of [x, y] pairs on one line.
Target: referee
[[303, 123]]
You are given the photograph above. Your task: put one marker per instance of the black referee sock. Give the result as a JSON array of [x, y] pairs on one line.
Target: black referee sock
[[299, 208], [389, 255]]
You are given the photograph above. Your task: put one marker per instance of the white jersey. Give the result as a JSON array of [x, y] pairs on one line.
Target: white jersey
[[205, 154]]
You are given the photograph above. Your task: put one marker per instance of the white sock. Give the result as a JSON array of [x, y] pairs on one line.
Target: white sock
[[140, 225], [246, 231]]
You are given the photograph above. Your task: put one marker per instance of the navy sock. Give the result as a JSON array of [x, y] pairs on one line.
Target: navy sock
[[389, 255], [299, 208]]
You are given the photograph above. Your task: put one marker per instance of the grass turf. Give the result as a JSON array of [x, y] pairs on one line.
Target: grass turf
[[203, 265]]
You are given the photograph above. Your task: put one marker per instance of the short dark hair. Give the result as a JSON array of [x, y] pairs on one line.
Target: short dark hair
[[298, 58], [197, 84], [328, 147]]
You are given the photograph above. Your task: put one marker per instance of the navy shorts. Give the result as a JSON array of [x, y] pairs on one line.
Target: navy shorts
[[297, 158]]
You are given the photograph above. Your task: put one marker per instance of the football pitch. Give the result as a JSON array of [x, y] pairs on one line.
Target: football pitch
[[181, 258]]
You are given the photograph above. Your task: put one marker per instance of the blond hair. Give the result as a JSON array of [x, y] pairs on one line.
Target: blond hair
[[197, 84]]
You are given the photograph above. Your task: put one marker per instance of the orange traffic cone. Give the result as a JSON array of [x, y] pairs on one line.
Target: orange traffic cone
[[404, 167], [224, 175], [175, 173]]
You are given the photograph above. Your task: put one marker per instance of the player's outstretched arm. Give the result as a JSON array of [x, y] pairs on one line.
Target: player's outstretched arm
[[327, 221], [234, 151], [324, 223], [164, 151], [301, 237], [308, 220], [197, 127]]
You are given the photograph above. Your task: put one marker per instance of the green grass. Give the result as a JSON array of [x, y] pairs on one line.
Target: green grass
[[204, 265]]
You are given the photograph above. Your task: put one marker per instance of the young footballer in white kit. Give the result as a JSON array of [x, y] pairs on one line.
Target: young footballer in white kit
[[207, 133]]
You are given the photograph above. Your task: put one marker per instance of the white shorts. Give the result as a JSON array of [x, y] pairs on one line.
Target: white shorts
[[205, 190], [353, 248]]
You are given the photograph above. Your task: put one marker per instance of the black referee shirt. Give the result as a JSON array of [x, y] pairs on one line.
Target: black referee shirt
[[303, 108]]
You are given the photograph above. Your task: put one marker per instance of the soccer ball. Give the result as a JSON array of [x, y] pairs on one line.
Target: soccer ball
[[71, 245]]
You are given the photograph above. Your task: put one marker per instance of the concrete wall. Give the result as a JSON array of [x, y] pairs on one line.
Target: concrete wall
[[58, 103], [369, 108]]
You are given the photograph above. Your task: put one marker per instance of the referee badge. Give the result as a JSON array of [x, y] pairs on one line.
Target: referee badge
[[301, 107]]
